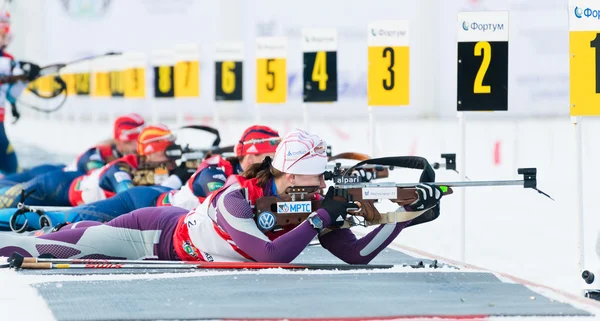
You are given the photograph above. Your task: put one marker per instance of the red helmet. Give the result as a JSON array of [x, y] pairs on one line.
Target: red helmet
[[128, 127], [154, 138], [257, 140]]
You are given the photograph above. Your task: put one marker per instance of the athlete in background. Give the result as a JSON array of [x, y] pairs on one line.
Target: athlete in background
[[8, 94], [125, 131], [254, 145]]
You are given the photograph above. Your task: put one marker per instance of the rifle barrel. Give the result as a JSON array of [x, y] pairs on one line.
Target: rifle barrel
[[449, 184]]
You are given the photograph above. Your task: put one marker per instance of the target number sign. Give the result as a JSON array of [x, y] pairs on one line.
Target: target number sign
[[229, 71], [388, 80], [320, 81], [584, 49], [482, 65], [271, 70]]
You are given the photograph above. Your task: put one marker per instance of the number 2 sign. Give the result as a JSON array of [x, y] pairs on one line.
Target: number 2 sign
[[482, 66]]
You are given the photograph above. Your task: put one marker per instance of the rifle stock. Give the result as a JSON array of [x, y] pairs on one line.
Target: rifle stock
[[367, 210]]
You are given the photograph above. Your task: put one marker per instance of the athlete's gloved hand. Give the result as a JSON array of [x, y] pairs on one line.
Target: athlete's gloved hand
[[429, 195], [30, 70], [183, 172], [337, 210]]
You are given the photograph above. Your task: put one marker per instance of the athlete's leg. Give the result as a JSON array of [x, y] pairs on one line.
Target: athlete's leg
[[22, 177], [8, 157], [122, 203], [142, 234], [50, 189]]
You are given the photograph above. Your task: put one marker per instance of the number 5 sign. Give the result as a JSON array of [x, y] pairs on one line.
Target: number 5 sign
[[584, 48], [388, 72], [271, 72], [482, 83]]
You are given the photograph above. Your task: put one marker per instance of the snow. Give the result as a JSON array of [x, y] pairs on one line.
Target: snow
[[19, 301]]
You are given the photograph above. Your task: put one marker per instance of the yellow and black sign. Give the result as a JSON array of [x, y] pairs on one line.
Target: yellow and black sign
[[320, 65], [163, 82], [320, 76], [271, 80], [187, 79], [482, 64], [134, 82], [69, 80], [584, 49], [388, 80], [82, 83], [482, 83], [228, 80], [117, 83], [271, 70], [101, 84]]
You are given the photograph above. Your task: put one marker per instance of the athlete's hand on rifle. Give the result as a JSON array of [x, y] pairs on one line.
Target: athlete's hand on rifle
[[183, 172], [337, 210], [30, 70], [428, 194]]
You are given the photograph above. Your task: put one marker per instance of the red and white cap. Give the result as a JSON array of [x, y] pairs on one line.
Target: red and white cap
[[155, 138], [301, 153], [128, 127], [257, 140]]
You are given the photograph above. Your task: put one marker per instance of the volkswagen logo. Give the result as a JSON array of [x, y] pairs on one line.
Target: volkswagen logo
[[266, 221]]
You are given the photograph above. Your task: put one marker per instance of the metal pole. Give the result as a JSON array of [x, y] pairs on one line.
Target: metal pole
[[305, 112], [463, 197], [372, 131], [577, 122]]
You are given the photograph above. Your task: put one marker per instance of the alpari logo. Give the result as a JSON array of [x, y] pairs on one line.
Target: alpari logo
[[296, 153], [587, 12], [465, 26]]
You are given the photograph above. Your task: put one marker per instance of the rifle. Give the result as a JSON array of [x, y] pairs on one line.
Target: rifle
[[299, 202]]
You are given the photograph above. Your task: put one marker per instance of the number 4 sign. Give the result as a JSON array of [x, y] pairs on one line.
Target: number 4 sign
[[584, 49], [482, 66]]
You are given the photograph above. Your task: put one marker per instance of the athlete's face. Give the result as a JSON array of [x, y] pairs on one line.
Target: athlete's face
[[4, 38], [250, 159], [307, 180], [161, 158], [126, 148]]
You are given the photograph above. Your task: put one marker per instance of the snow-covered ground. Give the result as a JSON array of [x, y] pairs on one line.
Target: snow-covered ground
[[509, 229]]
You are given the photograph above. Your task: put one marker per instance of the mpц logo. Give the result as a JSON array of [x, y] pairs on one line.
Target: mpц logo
[[294, 207]]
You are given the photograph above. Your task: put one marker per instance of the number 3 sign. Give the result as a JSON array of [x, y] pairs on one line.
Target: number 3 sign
[[388, 72]]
